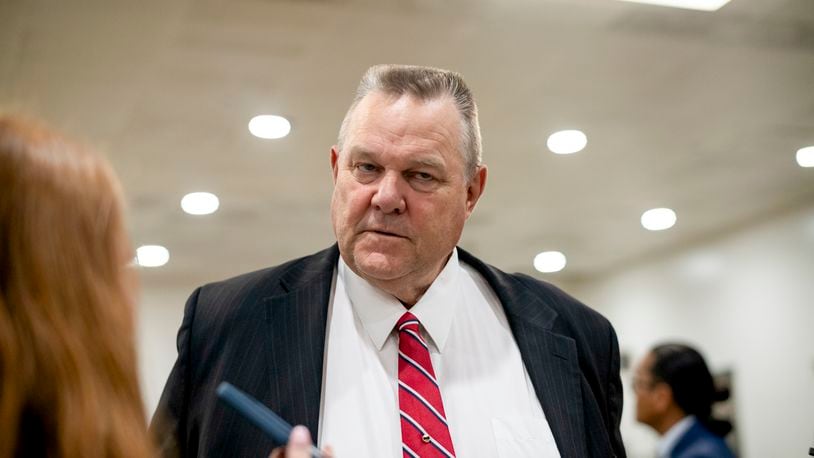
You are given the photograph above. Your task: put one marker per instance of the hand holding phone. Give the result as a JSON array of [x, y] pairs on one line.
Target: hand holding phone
[[264, 418]]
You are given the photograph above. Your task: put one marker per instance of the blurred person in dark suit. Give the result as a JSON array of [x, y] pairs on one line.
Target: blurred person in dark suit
[[394, 342], [674, 396], [68, 381]]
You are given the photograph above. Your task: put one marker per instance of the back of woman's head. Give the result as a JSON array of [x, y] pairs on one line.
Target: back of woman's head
[[685, 371], [67, 358]]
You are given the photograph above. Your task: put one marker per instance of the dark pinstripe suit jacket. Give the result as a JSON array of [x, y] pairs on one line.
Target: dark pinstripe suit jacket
[[265, 333]]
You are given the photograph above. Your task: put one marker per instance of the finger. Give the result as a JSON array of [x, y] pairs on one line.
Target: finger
[[299, 443]]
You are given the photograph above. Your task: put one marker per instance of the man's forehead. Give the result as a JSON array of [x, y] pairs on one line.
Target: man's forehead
[[383, 96], [379, 101], [380, 114]]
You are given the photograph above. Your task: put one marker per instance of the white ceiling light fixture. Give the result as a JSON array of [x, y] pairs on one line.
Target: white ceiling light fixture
[[200, 203], [549, 261], [701, 5], [152, 256], [658, 219], [805, 156], [269, 126], [567, 141]]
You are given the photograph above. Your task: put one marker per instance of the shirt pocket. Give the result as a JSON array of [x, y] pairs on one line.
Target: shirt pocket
[[521, 437]]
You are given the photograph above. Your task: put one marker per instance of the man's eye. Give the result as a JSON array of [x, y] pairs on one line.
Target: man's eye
[[364, 167], [423, 176]]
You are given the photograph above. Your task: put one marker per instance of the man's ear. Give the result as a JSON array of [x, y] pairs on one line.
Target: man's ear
[[334, 162], [662, 396], [475, 189]]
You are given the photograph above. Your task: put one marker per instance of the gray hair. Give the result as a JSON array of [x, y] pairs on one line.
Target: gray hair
[[424, 83]]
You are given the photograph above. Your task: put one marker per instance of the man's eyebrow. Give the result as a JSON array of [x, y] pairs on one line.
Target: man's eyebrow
[[360, 153], [430, 162], [424, 161]]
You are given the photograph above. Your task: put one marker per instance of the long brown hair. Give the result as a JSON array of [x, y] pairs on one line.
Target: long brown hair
[[68, 379]]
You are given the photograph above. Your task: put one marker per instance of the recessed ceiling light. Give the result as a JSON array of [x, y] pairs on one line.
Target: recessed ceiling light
[[567, 141], [805, 156], [549, 261], [152, 255], [702, 5], [200, 203], [269, 126], [658, 219]]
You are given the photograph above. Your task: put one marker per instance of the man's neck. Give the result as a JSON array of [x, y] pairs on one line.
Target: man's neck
[[671, 417], [404, 291]]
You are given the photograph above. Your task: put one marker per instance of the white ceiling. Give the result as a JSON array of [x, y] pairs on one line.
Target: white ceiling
[[700, 112]]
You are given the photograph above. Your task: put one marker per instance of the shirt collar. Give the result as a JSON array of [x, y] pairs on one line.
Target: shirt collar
[[379, 311], [669, 440]]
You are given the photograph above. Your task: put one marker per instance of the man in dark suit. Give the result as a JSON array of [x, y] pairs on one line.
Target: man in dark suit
[[394, 341], [674, 396]]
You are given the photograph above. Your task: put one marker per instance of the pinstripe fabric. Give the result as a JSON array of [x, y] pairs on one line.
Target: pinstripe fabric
[[265, 333], [572, 356]]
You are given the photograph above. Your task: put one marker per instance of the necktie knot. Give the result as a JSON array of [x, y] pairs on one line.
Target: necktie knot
[[408, 321]]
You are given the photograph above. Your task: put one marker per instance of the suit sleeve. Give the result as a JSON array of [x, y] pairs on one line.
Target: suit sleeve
[[169, 424], [615, 398]]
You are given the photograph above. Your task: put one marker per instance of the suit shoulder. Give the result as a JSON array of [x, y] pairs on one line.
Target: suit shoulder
[[516, 287], [271, 281], [567, 306], [699, 442], [707, 448]]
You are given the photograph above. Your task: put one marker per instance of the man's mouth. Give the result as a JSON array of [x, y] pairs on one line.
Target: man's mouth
[[385, 233]]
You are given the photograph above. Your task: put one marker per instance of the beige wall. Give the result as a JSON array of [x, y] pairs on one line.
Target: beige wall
[[747, 301], [160, 316]]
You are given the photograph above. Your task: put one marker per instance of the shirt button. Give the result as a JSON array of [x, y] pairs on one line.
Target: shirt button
[[426, 438]]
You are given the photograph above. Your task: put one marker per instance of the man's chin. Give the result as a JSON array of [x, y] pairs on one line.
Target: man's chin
[[381, 266]]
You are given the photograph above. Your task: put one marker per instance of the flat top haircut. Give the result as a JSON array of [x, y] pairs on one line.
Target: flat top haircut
[[424, 83]]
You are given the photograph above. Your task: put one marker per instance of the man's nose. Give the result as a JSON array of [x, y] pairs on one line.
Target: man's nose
[[389, 197]]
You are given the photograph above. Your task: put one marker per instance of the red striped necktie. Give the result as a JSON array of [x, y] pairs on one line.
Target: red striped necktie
[[424, 430]]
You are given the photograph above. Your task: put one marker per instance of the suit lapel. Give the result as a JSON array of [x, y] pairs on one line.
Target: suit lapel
[[550, 358], [296, 322]]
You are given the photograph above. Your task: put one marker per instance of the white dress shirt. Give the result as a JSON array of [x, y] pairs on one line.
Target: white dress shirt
[[491, 406]]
